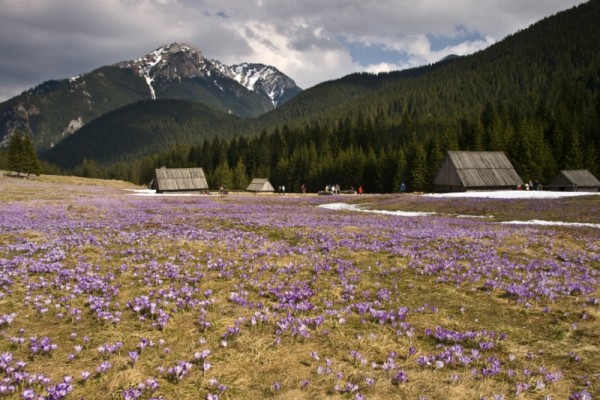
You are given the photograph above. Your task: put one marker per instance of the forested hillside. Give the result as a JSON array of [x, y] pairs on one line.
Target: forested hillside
[[139, 130], [55, 109], [534, 95]]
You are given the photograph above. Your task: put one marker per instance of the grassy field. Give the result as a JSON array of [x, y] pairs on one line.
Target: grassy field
[[108, 295]]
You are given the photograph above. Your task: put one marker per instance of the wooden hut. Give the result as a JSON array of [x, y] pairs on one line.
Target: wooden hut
[[476, 170], [577, 180], [260, 185], [179, 180]]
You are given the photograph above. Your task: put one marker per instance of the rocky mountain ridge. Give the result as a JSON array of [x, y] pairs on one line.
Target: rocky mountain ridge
[[56, 109], [176, 61]]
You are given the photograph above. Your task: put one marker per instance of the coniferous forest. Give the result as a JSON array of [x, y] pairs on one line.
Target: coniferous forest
[[534, 95]]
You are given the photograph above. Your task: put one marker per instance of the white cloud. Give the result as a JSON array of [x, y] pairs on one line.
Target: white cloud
[[307, 54], [385, 67], [306, 39]]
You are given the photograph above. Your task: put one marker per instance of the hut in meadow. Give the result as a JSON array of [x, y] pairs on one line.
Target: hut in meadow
[[260, 185], [179, 180], [476, 170], [576, 180]]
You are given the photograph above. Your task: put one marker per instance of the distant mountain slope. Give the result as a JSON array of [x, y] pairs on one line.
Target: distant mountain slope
[[129, 132], [333, 100], [536, 63], [55, 109]]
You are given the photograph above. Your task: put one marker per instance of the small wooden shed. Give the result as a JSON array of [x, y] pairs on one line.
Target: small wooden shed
[[179, 180], [576, 180], [476, 170], [260, 185]]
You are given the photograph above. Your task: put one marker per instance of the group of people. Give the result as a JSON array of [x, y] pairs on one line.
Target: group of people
[[335, 189], [530, 186]]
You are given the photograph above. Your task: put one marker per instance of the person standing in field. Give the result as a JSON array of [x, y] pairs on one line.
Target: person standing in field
[[360, 190]]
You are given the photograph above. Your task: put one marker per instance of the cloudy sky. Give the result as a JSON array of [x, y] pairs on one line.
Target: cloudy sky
[[309, 40]]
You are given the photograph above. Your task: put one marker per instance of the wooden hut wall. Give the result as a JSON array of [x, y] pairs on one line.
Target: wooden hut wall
[[447, 176]]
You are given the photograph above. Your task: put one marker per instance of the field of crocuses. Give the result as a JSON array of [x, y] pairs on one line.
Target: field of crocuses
[[109, 295]]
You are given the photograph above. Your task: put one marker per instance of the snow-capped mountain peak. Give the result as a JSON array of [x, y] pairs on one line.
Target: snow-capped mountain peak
[[263, 78], [168, 62], [177, 61], [249, 74]]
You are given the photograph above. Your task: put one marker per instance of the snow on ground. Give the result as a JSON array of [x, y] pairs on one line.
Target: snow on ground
[[152, 192], [508, 194], [354, 207], [514, 194], [551, 223]]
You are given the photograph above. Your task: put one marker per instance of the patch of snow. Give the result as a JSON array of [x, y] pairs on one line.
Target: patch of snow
[[152, 192], [353, 207], [514, 194], [74, 124], [272, 95], [252, 81], [147, 66], [509, 194], [551, 223], [340, 206], [217, 85], [149, 82]]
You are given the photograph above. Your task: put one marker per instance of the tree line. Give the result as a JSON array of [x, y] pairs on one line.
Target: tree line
[[380, 154]]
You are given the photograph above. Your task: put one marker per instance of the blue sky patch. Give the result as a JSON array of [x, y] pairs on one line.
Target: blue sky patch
[[463, 35], [374, 54]]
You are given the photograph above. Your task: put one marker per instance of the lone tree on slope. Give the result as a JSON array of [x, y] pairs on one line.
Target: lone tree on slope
[[22, 157]]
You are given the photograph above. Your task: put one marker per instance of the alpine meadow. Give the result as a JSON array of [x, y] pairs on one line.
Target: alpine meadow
[[107, 294], [352, 267]]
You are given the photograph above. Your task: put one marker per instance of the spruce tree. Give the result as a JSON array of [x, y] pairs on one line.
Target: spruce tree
[[370, 172], [15, 153], [418, 168], [22, 157], [30, 159], [574, 154], [591, 159], [401, 170], [435, 159], [223, 176], [240, 177]]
